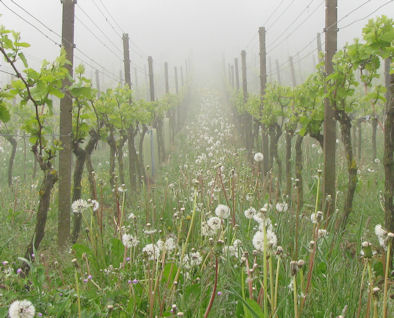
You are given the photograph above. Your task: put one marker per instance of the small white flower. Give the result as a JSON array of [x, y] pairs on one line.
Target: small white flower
[[322, 233], [214, 223], [206, 230], [222, 211], [79, 206], [281, 207], [129, 241], [132, 216], [150, 232], [317, 217], [266, 222], [249, 213], [381, 233], [21, 309], [94, 204], [377, 161], [258, 240], [122, 188], [258, 157], [195, 259], [152, 251]]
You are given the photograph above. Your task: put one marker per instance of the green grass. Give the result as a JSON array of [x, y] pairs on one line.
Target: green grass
[[51, 284]]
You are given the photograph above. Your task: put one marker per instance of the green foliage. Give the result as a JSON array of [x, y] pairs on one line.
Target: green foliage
[[309, 104], [379, 37], [277, 100]]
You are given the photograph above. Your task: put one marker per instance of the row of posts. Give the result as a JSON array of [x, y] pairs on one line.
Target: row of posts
[[329, 126]]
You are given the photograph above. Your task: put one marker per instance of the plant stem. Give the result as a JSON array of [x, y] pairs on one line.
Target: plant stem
[[276, 286], [361, 290], [214, 288], [265, 271], [386, 280], [78, 296], [295, 296]]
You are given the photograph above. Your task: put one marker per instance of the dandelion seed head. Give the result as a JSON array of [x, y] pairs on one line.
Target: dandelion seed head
[[214, 223], [222, 211], [258, 157], [249, 213], [79, 206], [129, 240], [21, 309], [281, 206]]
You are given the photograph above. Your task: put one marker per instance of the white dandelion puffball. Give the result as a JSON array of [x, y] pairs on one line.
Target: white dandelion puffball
[[95, 205], [281, 207], [206, 230], [258, 240], [222, 211], [21, 309], [381, 233], [249, 213], [129, 241], [214, 223], [79, 206], [258, 157], [195, 259], [152, 251]]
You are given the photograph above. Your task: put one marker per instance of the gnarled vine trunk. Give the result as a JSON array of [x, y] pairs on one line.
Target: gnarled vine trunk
[[112, 156], [91, 177], [119, 151], [288, 137], [275, 133], [142, 171], [346, 126], [298, 170], [374, 130], [388, 160], [359, 139], [133, 160], [265, 141], [319, 138], [45, 191], [160, 140], [81, 155], [11, 161]]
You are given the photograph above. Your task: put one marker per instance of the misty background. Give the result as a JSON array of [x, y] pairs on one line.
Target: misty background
[[201, 31]]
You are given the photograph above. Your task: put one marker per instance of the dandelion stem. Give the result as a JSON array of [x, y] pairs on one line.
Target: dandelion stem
[[295, 296], [361, 290], [214, 288], [78, 296], [265, 271], [386, 280], [271, 282], [276, 286], [186, 242], [370, 289]]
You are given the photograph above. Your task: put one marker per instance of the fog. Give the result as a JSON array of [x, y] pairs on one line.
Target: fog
[[204, 31]]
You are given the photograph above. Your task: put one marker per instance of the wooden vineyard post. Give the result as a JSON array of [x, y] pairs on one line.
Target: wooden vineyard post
[[319, 47], [152, 99], [65, 154], [182, 79], [247, 121], [388, 159], [167, 84], [126, 61], [329, 173], [236, 70], [98, 83], [263, 84], [278, 71], [293, 78]]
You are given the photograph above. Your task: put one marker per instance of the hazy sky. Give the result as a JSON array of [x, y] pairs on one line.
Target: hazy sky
[[172, 30]]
